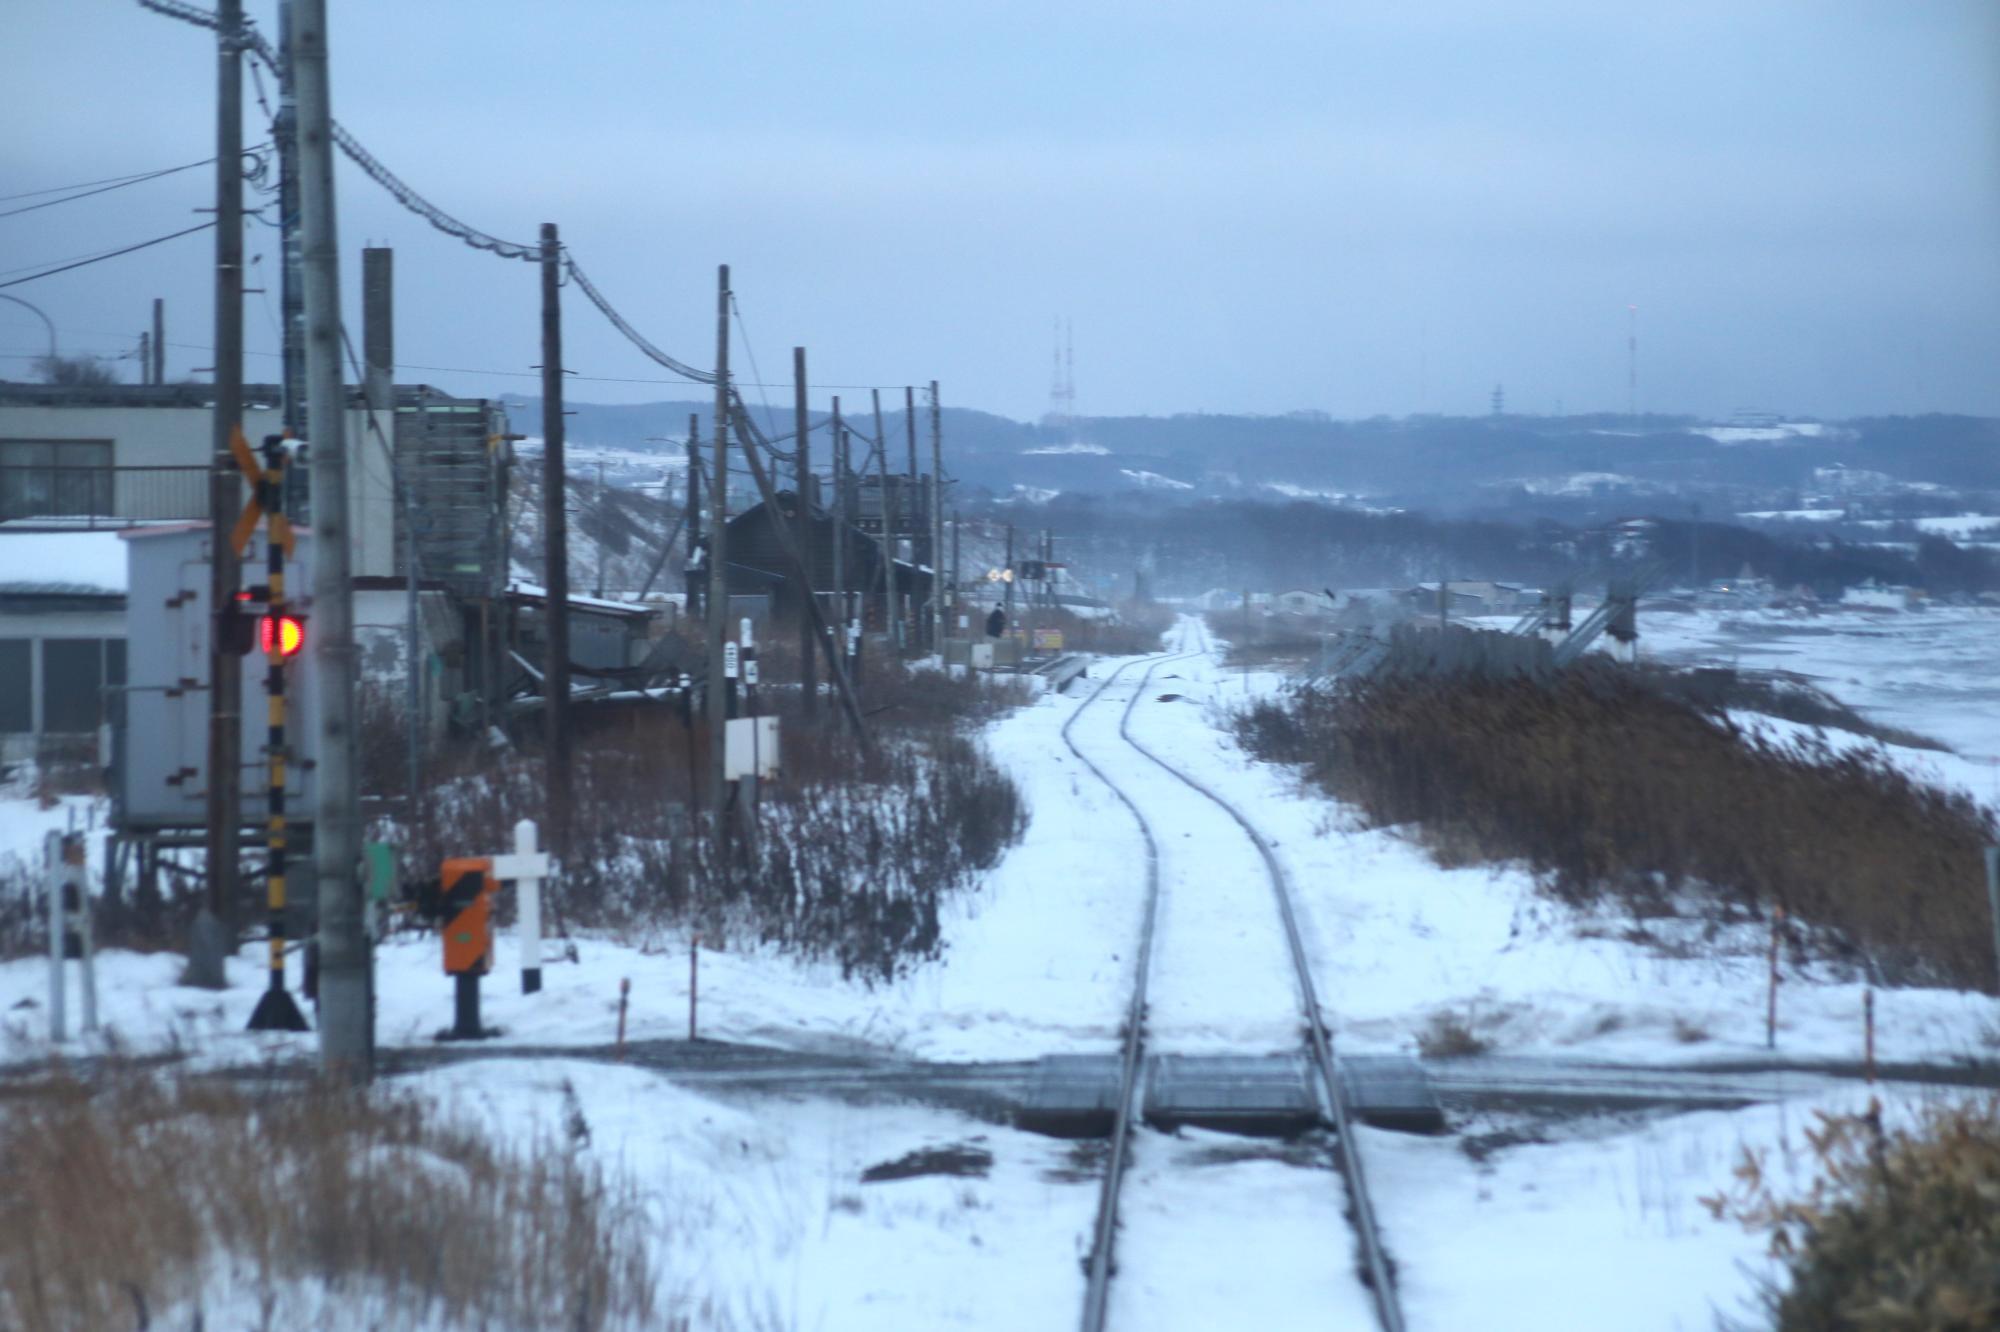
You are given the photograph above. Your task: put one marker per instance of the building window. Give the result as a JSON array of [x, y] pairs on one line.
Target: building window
[[73, 680], [41, 478], [17, 703]]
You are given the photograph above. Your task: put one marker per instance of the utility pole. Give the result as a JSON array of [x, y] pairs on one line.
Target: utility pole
[[692, 506], [159, 366], [838, 433], [808, 667], [346, 1019], [291, 299], [916, 493], [939, 585], [555, 550], [603, 504], [1008, 581], [718, 559], [892, 620], [213, 935], [378, 364]]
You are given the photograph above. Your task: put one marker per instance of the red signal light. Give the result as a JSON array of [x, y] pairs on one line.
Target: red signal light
[[281, 636]]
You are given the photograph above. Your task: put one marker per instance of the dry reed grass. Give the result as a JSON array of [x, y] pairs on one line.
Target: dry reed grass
[[1606, 787], [131, 1197]]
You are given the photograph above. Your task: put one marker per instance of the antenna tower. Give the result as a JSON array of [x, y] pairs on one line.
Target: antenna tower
[[1062, 384]]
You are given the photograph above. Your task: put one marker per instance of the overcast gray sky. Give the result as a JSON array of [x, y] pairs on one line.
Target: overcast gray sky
[[1362, 208]]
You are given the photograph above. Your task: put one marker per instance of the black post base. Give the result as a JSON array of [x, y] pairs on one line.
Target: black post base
[[277, 1011]]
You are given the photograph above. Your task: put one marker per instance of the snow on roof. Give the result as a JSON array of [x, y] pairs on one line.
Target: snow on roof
[[62, 563]]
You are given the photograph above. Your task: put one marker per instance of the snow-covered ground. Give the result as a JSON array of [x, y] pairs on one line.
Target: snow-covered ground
[[764, 1212]]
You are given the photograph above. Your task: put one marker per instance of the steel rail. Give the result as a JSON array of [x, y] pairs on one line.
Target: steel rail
[[1375, 1265], [1098, 1266]]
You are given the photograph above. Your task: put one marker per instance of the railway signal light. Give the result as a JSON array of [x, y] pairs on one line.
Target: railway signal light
[[281, 636]]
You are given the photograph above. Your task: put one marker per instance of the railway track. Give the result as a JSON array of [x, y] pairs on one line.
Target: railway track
[[1372, 1259]]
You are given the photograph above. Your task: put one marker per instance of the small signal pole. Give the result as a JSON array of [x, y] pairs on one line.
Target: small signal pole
[[276, 1010]]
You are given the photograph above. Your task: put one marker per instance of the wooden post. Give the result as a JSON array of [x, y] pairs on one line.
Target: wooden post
[[1771, 1002], [916, 493], [555, 549], [1868, 1032], [808, 666], [624, 997], [159, 364]]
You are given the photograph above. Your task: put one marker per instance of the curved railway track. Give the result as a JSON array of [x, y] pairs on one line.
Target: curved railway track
[[1372, 1259]]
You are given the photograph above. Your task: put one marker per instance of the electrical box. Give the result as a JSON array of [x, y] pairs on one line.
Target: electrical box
[[160, 734], [750, 748]]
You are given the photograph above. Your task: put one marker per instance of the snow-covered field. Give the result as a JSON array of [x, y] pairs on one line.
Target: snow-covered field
[[1591, 1223]]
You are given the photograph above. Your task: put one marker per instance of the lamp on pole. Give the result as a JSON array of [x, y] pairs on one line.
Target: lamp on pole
[[37, 311]]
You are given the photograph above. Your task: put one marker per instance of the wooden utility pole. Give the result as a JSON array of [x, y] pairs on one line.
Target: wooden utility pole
[[159, 362], [939, 585], [892, 620], [214, 929], [555, 552], [718, 565], [346, 1016], [692, 506], [808, 667], [838, 433]]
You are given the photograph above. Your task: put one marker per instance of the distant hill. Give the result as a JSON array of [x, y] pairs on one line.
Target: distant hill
[[1566, 467]]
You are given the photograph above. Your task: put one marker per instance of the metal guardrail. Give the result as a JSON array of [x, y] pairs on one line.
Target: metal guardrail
[[100, 497]]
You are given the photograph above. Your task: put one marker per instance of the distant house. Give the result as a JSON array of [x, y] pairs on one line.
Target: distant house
[[758, 566], [1303, 602]]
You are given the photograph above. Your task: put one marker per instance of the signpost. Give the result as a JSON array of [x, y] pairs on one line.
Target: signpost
[[68, 879]]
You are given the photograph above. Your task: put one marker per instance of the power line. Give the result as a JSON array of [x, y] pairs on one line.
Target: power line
[[109, 254], [101, 187]]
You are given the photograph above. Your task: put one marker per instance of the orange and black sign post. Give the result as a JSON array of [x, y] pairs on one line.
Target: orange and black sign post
[[280, 635], [465, 906]]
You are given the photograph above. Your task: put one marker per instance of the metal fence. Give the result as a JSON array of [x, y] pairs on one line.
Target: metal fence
[[91, 497]]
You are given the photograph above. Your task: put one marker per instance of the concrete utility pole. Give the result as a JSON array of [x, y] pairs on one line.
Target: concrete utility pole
[[159, 365], [808, 667], [555, 550], [892, 620], [916, 490], [212, 937], [378, 390], [939, 586], [346, 1022], [718, 560], [291, 299]]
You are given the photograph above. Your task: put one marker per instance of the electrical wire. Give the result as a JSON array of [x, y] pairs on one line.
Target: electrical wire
[[109, 254], [102, 187]]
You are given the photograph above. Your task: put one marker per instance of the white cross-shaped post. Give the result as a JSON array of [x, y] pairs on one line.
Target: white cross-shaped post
[[525, 869]]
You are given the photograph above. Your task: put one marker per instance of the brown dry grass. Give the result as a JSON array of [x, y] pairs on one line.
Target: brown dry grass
[[1898, 1232], [1606, 787], [126, 1197], [856, 851]]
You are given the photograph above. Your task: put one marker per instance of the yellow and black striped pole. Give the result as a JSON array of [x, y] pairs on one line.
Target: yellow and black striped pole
[[277, 1010]]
